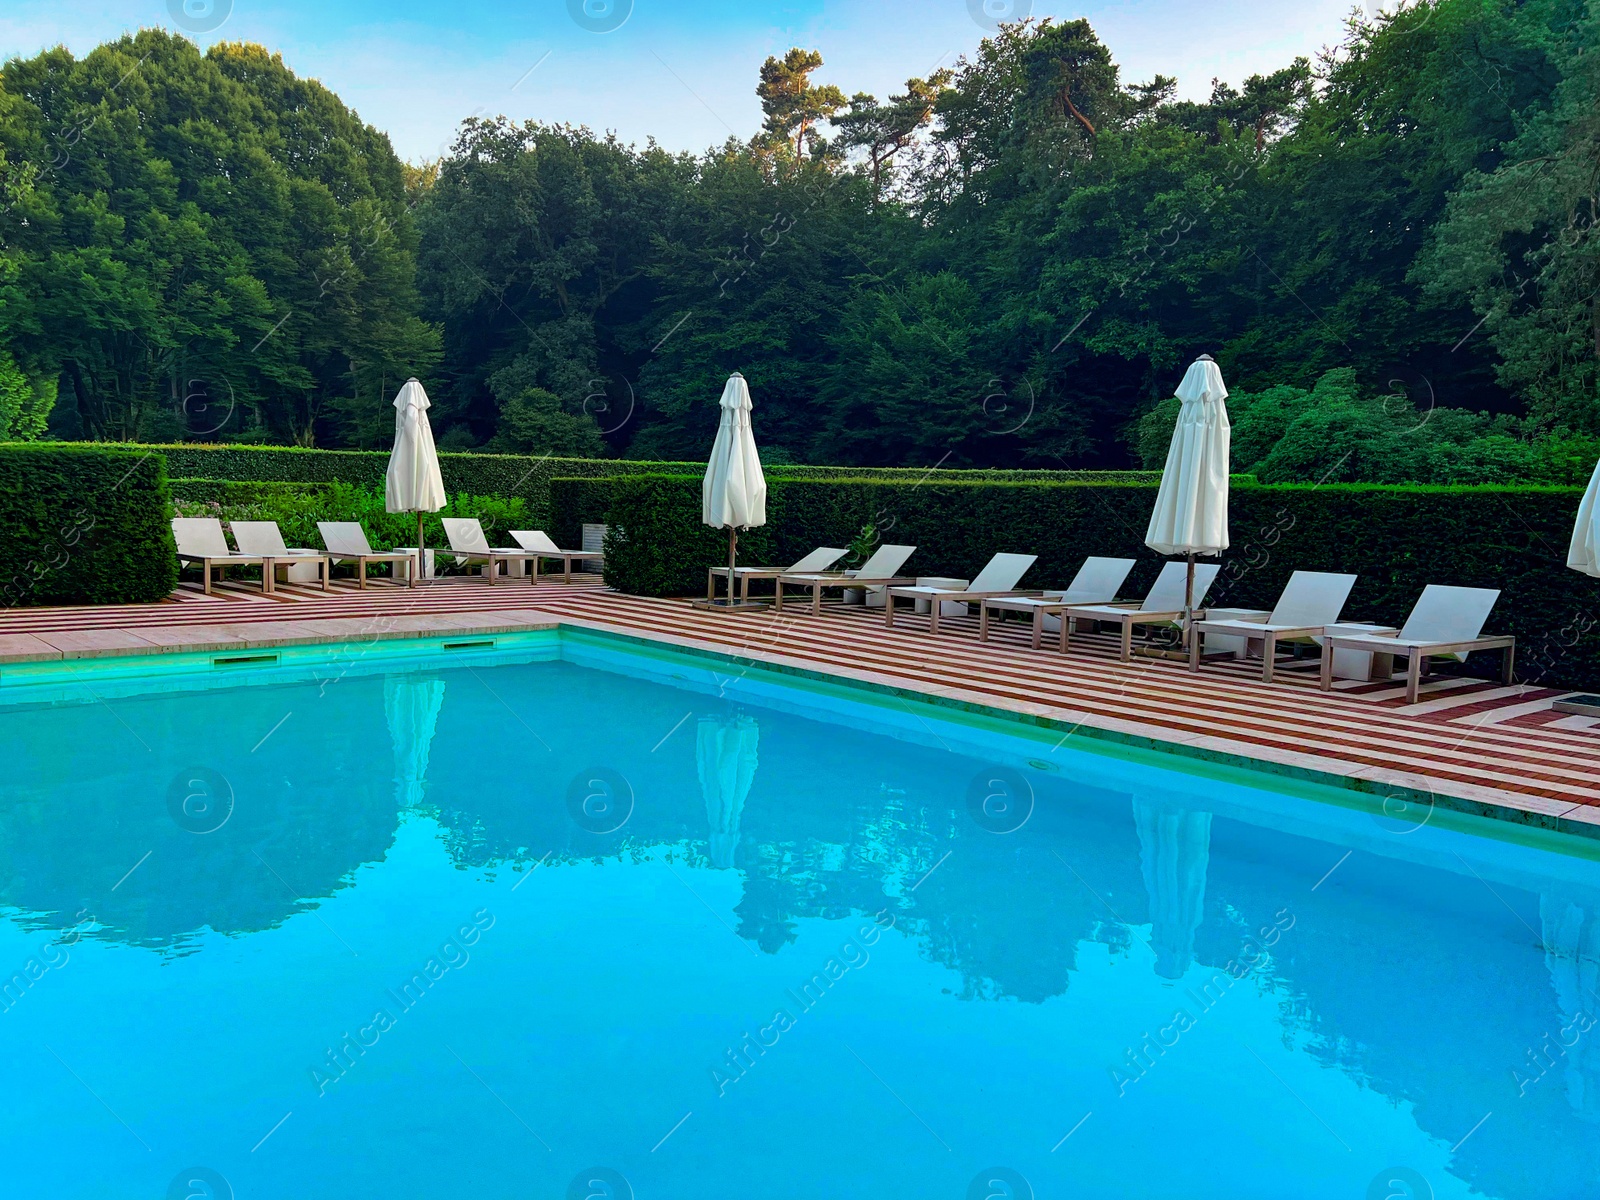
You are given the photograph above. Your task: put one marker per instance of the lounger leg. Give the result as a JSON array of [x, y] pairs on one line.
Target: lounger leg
[[1269, 656], [361, 571], [327, 572], [888, 608], [566, 574], [1127, 641], [816, 599], [934, 606], [778, 602], [1414, 676], [205, 574], [1508, 665], [1066, 624], [983, 622], [1038, 627], [1326, 681]]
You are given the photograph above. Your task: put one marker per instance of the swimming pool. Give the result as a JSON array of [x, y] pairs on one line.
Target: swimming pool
[[555, 917]]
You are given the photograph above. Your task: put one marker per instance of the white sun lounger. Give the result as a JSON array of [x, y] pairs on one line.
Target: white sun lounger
[[265, 538], [469, 545], [1310, 601], [1162, 605], [1097, 582], [881, 570], [540, 544], [817, 561], [999, 577], [201, 540], [1445, 621], [347, 542]]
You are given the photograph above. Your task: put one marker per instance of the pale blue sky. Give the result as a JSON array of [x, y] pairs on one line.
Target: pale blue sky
[[683, 71]]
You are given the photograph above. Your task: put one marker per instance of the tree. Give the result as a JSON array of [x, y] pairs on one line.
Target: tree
[[1520, 242], [202, 244], [792, 103], [534, 422], [884, 130]]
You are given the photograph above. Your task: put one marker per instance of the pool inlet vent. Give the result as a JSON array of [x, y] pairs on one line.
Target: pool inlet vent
[[482, 644], [244, 660]]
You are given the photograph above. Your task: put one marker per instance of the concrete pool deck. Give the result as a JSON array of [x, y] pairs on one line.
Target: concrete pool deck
[[1470, 745]]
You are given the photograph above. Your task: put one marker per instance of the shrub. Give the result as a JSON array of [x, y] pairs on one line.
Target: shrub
[[84, 525], [1397, 539]]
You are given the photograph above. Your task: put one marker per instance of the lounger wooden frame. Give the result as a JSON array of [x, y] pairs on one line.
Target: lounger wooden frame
[[1416, 653]]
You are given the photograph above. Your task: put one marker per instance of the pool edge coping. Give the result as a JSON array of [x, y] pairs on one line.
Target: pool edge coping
[[126, 643]]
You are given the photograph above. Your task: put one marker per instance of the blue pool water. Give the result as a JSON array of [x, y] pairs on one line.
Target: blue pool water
[[563, 920]]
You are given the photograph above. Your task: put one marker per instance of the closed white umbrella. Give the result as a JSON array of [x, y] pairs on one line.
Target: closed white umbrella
[[1584, 553], [413, 482], [1191, 515], [733, 495]]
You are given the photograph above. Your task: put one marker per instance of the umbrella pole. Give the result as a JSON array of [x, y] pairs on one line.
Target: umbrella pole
[[421, 557], [733, 550], [1188, 604]]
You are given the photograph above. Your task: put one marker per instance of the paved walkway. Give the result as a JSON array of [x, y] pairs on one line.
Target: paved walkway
[[1467, 740]]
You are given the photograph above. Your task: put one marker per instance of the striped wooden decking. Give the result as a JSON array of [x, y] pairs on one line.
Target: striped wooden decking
[[1469, 740]]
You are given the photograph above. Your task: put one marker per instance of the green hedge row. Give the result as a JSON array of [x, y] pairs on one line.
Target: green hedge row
[[238, 491], [524, 477], [1397, 539], [84, 525]]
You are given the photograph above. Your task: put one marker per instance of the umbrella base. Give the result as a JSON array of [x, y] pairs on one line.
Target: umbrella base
[[721, 605], [1157, 652]]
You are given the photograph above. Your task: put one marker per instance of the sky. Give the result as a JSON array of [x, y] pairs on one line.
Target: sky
[[681, 71]]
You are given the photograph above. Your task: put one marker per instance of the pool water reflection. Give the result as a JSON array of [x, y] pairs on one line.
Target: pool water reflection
[[503, 930]]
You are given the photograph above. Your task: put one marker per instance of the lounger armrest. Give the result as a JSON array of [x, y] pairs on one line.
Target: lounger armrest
[[245, 559], [1390, 645], [1014, 594]]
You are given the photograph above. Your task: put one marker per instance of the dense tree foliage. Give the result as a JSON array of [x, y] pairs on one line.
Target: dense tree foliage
[[199, 244], [1389, 248]]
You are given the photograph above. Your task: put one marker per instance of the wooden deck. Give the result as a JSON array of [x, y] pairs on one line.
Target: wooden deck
[[1472, 743]]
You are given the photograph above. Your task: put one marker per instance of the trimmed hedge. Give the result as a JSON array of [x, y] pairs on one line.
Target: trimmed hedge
[[525, 477], [236, 491], [84, 525], [1397, 539]]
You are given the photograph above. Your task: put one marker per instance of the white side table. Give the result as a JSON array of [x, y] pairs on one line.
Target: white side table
[[1361, 664], [1225, 643], [947, 608], [402, 570]]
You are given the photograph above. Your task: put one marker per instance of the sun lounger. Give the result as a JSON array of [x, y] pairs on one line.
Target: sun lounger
[[999, 577], [1445, 621], [1162, 605], [347, 542], [1097, 582], [265, 538], [469, 545], [537, 541], [1310, 601], [881, 570], [819, 560], [201, 540]]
